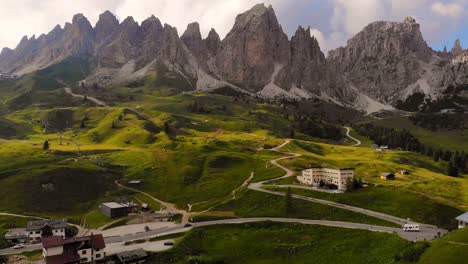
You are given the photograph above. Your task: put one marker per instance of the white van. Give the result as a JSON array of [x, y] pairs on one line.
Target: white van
[[411, 228]]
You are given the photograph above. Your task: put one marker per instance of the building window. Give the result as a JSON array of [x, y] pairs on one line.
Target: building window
[[84, 259], [38, 232], [83, 252], [98, 255]]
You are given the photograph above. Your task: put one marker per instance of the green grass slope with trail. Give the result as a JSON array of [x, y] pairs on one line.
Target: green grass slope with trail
[[189, 149]]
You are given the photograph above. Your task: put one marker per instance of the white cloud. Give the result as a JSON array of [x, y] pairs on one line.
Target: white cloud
[[450, 9], [351, 16]]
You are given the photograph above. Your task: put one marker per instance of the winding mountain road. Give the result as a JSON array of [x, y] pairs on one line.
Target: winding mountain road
[[426, 230], [348, 131], [69, 91]]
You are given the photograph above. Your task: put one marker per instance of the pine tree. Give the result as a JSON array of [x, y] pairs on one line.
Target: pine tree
[[447, 155], [437, 155], [452, 169], [46, 145], [429, 152]]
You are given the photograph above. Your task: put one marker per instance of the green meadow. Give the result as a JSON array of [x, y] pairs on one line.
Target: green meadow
[[283, 243]]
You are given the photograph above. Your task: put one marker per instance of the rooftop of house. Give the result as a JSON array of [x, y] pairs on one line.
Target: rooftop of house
[[463, 217], [114, 205], [95, 242], [15, 233], [321, 167], [39, 224], [131, 255]]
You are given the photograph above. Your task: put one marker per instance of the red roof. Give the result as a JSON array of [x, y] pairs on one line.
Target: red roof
[[63, 259], [97, 242], [55, 241]]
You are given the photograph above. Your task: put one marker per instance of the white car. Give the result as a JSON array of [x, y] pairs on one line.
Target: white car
[[18, 246]]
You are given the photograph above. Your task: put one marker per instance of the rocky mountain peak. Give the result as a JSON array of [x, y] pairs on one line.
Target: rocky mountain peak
[[57, 28], [409, 20], [192, 31], [24, 40], [6, 52], [152, 23], [384, 58], [252, 48], [257, 14], [212, 42], [106, 26], [129, 22], [81, 22], [457, 48]]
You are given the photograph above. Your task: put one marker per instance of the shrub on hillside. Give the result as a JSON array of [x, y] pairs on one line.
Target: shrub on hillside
[[413, 252]]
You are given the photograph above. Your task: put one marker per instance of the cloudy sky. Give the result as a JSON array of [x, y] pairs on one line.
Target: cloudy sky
[[332, 21]]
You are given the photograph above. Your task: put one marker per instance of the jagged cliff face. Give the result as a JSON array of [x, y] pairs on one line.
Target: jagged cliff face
[[384, 58], [248, 54], [384, 63], [389, 61]]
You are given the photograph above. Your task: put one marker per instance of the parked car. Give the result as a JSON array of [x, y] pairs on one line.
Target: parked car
[[187, 225], [168, 243], [18, 246]]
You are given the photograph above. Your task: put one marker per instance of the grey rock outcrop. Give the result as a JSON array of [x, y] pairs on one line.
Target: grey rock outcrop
[[212, 42], [457, 49], [384, 58], [105, 28], [248, 54]]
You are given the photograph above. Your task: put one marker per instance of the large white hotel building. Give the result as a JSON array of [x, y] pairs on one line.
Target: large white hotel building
[[338, 177]]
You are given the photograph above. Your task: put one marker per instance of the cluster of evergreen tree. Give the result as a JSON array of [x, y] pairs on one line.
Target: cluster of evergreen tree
[[318, 128], [456, 161], [197, 108], [435, 122], [390, 137]]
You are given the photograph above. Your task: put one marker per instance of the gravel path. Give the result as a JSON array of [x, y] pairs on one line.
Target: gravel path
[[358, 142]]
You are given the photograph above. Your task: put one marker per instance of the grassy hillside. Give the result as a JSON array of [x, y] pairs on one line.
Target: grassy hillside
[[444, 139], [194, 149], [256, 204], [394, 201], [283, 243], [452, 248], [426, 176]]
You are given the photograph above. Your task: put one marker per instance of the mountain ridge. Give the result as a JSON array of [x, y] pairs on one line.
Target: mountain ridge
[[380, 67]]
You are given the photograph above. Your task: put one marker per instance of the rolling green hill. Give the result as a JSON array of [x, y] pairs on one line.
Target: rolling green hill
[[452, 248]]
